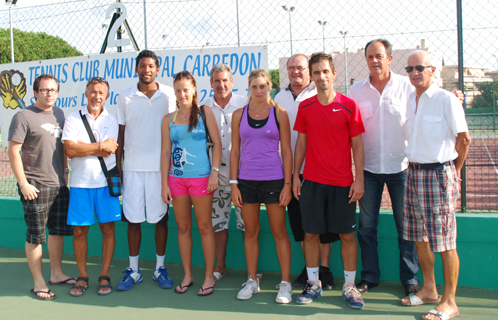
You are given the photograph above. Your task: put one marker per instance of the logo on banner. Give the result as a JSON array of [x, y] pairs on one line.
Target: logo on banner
[[13, 89]]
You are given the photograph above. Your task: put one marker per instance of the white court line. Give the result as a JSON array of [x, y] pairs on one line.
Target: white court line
[[489, 155]]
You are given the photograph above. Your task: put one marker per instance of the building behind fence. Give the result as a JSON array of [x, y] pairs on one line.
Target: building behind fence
[[338, 27]]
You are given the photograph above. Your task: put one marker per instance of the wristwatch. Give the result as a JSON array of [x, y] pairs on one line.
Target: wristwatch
[[66, 170], [215, 169], [234, 181]]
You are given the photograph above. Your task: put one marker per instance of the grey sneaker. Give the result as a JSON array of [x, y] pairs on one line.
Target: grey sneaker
[[284, 294], [250, 286]]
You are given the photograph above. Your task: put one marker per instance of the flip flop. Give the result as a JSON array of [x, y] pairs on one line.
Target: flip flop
[[81, 288], [416, 301], [181, 287], [218, 275], [35, 294], [442, 315], [102, 286], [206, 289], [64, 282]]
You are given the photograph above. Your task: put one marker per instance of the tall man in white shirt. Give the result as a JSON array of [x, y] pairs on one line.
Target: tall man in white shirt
[[89, 193], [382, 98], [301, 88], [141, 109], [438, 142], [223, 103]]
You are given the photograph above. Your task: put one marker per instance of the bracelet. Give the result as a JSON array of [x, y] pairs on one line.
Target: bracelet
[[24, 185], [289, 183], [234, 181], [215, 169]]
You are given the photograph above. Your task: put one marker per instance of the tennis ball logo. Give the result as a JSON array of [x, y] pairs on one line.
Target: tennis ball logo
[[12, 89]]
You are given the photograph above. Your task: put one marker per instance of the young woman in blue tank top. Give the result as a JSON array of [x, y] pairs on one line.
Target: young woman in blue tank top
[[187, 178], [257, 131]]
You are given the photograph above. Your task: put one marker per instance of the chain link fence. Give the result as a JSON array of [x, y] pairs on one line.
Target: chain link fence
[[338, 27]]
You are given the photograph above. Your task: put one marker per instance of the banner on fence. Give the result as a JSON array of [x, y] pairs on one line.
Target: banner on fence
[[16, 80]]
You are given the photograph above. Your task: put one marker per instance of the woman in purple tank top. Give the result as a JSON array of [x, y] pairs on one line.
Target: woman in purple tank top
[[259, 175]]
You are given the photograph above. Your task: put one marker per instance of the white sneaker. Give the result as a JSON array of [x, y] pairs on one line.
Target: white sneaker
[[284, 294], [250, 286]]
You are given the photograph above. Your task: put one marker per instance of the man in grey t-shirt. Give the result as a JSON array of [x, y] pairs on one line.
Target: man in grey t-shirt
[[40, 174]]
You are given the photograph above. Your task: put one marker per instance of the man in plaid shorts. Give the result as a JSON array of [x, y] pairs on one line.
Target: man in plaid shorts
[[41, 176], [438, 142]]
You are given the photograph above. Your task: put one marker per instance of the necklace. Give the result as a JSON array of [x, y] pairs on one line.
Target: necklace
[[258, 113], [183, 116]]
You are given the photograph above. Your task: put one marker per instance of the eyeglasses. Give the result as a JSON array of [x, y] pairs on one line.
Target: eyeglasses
[[300, 69], [97, 79], [418, 68], [48, 91], [182, 74]]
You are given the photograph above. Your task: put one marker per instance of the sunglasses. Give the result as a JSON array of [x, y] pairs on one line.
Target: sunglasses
[[182, 74], [418, 68], [98, 79]]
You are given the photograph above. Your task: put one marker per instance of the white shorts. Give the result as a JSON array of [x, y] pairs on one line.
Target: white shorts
[[142, 189], [222, 207]]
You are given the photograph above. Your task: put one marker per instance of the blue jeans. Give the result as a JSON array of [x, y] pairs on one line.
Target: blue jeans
[[369, 221]]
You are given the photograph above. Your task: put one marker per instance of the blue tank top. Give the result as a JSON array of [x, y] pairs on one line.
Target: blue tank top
[[259, 154], [189, 158]]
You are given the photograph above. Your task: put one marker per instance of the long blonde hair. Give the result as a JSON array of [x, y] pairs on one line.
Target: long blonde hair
[[257, 73]]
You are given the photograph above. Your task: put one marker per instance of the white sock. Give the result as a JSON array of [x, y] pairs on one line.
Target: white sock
[[313, 274], [134, 263], [349, 277], [159, 261]]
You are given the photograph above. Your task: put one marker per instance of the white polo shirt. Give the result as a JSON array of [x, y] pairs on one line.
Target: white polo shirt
[[86, 172], [288, 100], [224, 120], [384, 117], [143, 118], [433, 130]]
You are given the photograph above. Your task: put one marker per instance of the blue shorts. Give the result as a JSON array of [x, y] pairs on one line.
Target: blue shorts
[[85, 203]]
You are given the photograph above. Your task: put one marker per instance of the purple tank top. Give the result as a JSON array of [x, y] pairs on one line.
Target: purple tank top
[[259, 156]]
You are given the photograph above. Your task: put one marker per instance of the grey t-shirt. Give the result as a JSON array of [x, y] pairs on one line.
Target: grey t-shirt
[[42, 150]]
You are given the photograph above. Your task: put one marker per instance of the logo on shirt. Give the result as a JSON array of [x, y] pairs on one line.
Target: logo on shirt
[[335, 110], [54, 130], [13, 89]]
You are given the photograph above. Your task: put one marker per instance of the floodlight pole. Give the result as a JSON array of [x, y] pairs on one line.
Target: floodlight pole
[[344, 33], [11, 35], [145, 24], [289, 10], [323, 23]]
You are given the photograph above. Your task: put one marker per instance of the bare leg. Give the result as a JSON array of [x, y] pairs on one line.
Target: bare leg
[[183, 215], [325, 254], [276, 216], [134, 238], [221, 250], [451, 265], [203, 217], [34, 257], [108, 245], [426, 260], [80, 247], [55, 246], [312, 250], [250, 215], [161, 237], [349, 251]]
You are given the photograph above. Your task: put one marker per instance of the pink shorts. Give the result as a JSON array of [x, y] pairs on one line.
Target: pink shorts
[[196, 187]]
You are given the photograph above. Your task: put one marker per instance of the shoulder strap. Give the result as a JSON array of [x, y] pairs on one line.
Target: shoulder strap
[[276, 118], [203, 116], [92, 139]]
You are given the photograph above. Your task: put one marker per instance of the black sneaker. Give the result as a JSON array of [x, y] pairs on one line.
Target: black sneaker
[[363, 286], [302, 279], [411, 288], [326, 277]]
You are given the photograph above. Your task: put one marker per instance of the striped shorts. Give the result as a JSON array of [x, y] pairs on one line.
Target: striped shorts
[[429, 206], [48, 210]]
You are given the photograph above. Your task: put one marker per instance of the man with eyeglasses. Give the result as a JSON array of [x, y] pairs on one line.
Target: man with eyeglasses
[[89, 191], [299, 89], [223, 103], [438, 142], [140, 112], [41, 173], [382, 98]]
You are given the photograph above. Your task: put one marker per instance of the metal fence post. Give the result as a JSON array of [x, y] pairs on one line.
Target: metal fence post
[[461, 86]]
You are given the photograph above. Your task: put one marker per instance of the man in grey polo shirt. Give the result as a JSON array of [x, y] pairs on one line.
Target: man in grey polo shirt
[[223, 103]]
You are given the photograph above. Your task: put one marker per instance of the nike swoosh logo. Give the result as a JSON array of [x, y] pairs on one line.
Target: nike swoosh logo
[[354, 225], [272, 192], [335, 110]]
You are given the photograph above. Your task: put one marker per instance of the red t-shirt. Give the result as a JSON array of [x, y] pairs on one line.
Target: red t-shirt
[[328, 132]]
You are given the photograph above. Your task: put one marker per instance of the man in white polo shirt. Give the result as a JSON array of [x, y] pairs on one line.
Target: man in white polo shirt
[[438, 142], [301, 88], [223, 103], [141, 109], [89, 193]]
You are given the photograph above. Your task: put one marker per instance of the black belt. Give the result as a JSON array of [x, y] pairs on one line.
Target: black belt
[[430, 166]]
